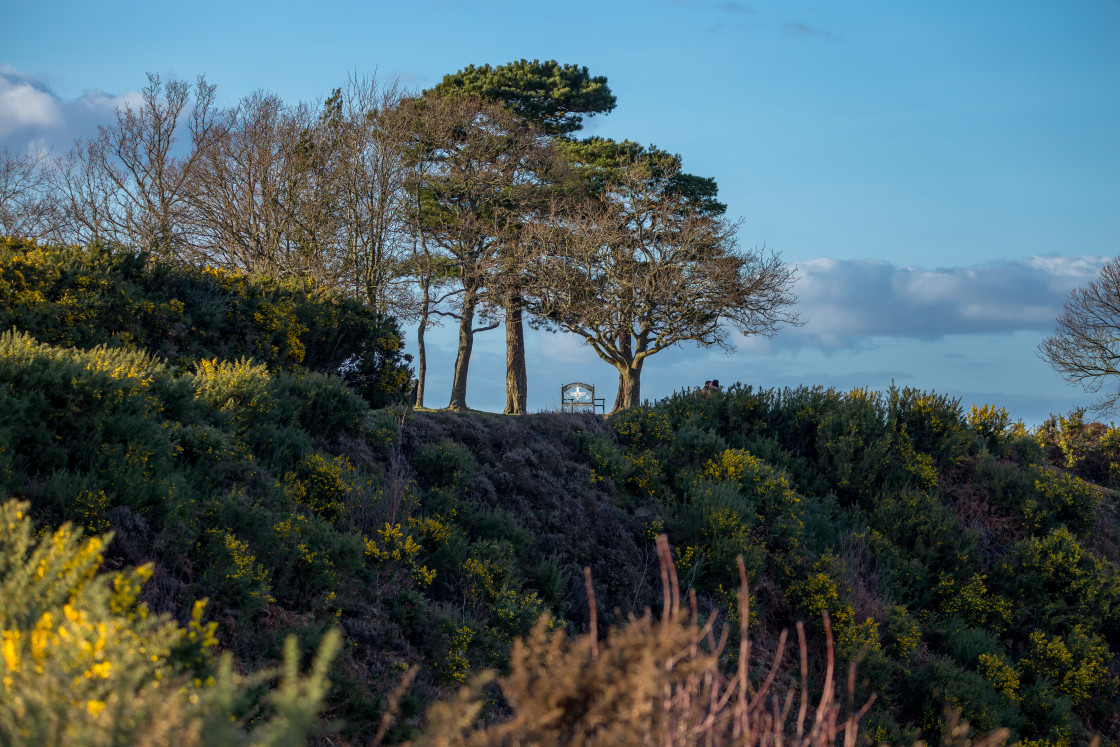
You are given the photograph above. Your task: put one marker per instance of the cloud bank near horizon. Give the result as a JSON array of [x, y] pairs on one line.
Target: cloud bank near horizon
[[844, 303]]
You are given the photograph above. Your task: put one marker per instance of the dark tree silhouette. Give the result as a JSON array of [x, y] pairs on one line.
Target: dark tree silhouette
[[1085, 347]]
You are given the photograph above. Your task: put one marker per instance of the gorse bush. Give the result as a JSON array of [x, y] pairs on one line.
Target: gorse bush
[[82, 662], [96, 296], [1089, 450]]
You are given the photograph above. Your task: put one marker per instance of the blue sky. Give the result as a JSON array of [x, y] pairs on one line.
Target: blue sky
[[941, 173]]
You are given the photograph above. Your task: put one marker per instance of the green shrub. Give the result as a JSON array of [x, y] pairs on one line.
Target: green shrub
[[769, 490], [934, 422], [852, 444], [690, 448], [947, 685], [819, 592], [445, 464], [636, 473], [972, 602], [86, 297], [322, 485], [1061, 499], [392, 546], [903, 632], [1058, 584], [309, 558], [234, 575], [82, 663], [914, 526], [1077, 663], [995, 426], [639, 428], [493, 588]]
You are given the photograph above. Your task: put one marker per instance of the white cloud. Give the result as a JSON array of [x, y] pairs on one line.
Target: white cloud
[[844, 302], [565, 348], [23, 105], [32, 116]]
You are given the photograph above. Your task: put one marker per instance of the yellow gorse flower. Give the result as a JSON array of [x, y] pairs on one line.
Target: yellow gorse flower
[[9, 648]]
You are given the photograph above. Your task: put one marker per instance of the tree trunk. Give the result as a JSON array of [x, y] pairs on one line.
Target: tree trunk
[[629, 387], [517, 387], [463, 357], [421, 361], [421, 349]]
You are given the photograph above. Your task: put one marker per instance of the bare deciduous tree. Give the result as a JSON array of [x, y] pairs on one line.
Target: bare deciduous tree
[[638, 268], [1085, 347], [25, 205], [129, 185], [262, 194], [373, 204]]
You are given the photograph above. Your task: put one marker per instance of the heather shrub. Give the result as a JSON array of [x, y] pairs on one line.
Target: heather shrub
[[83, 663], [446, 464]]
